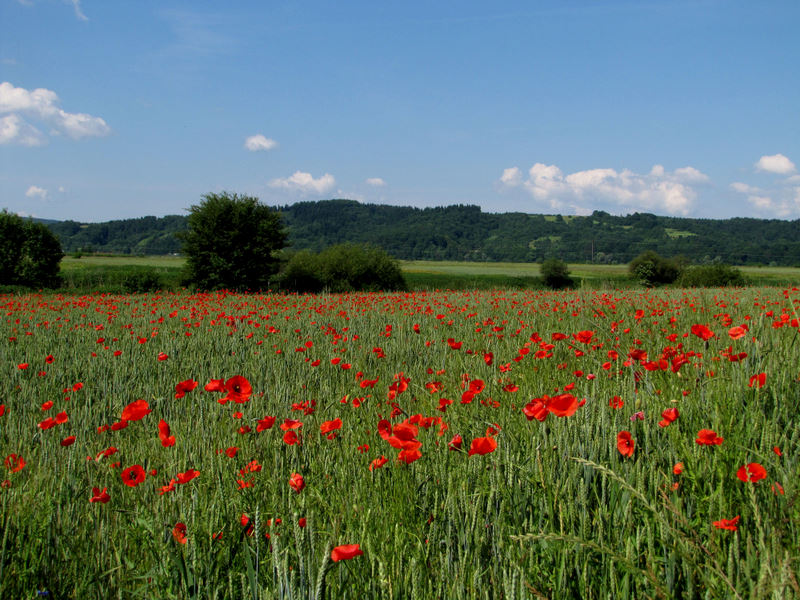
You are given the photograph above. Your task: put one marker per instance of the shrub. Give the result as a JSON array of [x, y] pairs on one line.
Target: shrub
[[555, 274], [303, 273], [652, 270], [143, 281], [713, 275], [343, 268], [30, 255]]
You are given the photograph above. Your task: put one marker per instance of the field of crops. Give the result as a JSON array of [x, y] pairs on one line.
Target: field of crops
[[463, 444]]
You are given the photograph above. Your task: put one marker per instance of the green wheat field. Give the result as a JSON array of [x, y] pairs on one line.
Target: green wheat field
[[499, 443]]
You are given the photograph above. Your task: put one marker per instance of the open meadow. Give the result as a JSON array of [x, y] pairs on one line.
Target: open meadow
[[430, 444], [91, 273]]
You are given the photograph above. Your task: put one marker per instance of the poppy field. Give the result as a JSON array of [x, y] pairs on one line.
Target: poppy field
[[443, 444]]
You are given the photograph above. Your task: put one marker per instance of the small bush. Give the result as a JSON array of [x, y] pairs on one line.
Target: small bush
[[342, 268], [714, 275], [143, 281], [652, 270], [555, 274]]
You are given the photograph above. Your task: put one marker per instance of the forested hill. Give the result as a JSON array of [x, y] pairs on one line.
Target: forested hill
[[466, 233]]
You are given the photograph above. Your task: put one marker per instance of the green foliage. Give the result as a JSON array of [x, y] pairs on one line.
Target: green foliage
[[555, 274], [714, 275], [231, 243], [144, 281], [343, 268], [29, 253], [465, 233], [652, 270]]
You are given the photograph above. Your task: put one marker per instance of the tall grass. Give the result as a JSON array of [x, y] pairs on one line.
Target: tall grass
[[554, 511]]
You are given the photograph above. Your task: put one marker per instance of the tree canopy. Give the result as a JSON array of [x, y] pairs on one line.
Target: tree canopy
[[30, 254], [231, 243]]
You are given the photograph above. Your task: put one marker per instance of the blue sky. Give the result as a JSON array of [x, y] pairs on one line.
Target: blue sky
[[115, 109]]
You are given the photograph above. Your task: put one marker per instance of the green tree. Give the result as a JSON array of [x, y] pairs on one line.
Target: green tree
[[30, 254], [555, 274], [231, 242]]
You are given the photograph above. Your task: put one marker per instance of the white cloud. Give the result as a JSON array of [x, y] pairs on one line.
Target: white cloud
[[41, 105], [511, 176], [36, 192], [376, 181], [583, 191], [777, 163], [305, 183], [14, 130], [259, 142], [76, 5], [778, 201], [744, 188], [690, 175]]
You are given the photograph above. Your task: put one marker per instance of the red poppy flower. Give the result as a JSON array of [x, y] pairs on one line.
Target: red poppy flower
[[49, 359], [2, 409], [136, 411], [409, 455], [482, 445], [133, 475], [179, 533], [183, 387], [758, 380], [455, 443], [296, 482], [119, 425], [563, 405], [702, 332], [167, 440], [68, 441], [290, 424], [47, 423], [616, 402], [162, 356], [239, 389], [378, 463], [737, 332], [170, 487], [98, 496], [729, 524], [751, 472], [678, 468], [187, 476], [535, 409], [290, 437], [345, 552], [247, 524], [625, 443], [215, 385], [668, 416], [329, 426], [14, 463], [708, 437], [47, 405], [265, 423], [301, 522]]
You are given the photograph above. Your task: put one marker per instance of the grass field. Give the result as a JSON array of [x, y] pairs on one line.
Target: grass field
[[462, 444], [109, 273]]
